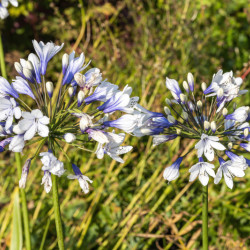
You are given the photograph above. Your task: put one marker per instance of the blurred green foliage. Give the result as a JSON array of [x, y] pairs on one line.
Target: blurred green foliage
[[138, 43]]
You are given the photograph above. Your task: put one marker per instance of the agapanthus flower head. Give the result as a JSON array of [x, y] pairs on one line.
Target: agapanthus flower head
[[58, 114], [212, 120], [3, 7]]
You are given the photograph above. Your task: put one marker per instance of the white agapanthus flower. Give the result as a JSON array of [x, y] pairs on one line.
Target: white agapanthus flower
[[113, 148], [8, 110], [17, 144], [206, 146], [34, 122]]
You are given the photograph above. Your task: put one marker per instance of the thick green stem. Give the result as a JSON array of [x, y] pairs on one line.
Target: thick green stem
[[2, 63], [57, 213], [204, 218], [24, 205]]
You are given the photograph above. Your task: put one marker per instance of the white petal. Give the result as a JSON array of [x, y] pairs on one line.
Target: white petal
[[42, 130], [209, 152], [204, 179], [218, 176], [29, 134], [37, 113], [217, 145], [72, 177]]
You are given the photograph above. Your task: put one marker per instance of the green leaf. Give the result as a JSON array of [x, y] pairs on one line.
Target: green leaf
[[16, 236]]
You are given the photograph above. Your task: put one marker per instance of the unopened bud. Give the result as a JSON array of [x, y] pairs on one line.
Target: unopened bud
[[1, 129], [80, 98], [185, 86], [167, 110], [168, 102], [203, 86], [28, 74], [224, 111], [234, 106], [65, 63], [50, 88], [183, 98], [71, 91], [190, 79], [213, 126], [246, 132], [25, 171], [171, 119], [69, 137], [178, 131], [199, 104], [191, 106], [220, 92], [184, 115], [206, 125], [85, 122], [29, 65], [80, 79], [230, 145], [18, 68]]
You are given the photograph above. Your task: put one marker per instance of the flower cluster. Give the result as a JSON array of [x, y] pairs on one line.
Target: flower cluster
[[73, 112], [3, 7], [219, 127]]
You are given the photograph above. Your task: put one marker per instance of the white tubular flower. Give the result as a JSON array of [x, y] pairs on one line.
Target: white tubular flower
[[69, 137], [51, 164], [239, 115], [83, 180], [229, 170], [46, 181], [8, 110], [113, 148], [203, 170], [34, 122], [171, 173], [207, 144], [17, 144]]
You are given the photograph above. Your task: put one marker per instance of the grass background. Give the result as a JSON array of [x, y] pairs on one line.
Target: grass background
[[138, 43]]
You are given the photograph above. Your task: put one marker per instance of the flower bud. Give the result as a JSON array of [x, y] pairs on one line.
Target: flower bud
[[183, 98], [29, 65], [50, 88], [65, 63], [178, 131], [246, 132], [220, 93], [199, 104], [85, 122], [18, 68], [206, 125], [1, 129], [71, 91], [168, 102], [203, 86], [171, 119], [184, 115], [213, 126], [25, 171], [28, 74], [80, 98], [190, 79], [69, 137], [185, 86], [230, 145], [224, 111], [80, 79], [234, 105], [191, 106], [167, 110]]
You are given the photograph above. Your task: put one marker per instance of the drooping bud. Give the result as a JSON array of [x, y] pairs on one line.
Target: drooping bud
[[25, 171], [46, 181], [80, 79], [206, 125], [65, 63], [190, 79], [69, 137], [224, 111], [168, 102], [50, 88], [220, 93], [185, 86], [71, 91], [18, 68], [184, 115], [203, 86], [183, 98], [171, 119], [80, 98], [167, 110], [199, 104], [213, 126], [230, 145], [85, 122], [246, 132]]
